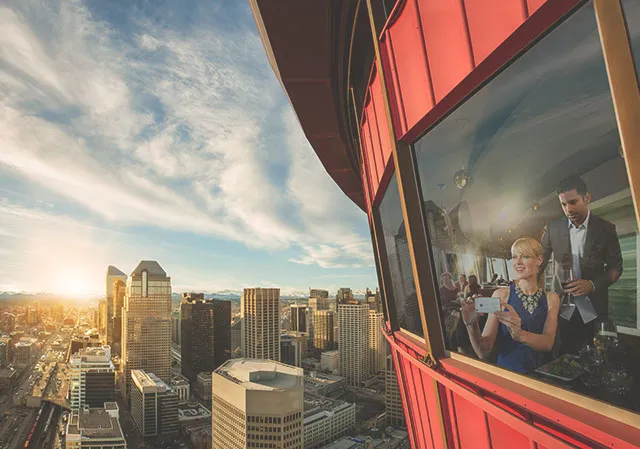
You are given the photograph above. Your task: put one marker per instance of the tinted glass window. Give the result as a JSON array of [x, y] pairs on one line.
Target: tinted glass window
[[631, 9], [404, 298], [526, 194]]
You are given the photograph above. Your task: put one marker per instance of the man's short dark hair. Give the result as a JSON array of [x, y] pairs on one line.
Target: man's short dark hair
[[572, 183]]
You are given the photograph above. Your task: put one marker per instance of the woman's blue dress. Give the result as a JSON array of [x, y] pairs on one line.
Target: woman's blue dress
[[514, 355]]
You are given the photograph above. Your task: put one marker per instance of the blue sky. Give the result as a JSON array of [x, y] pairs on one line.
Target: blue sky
[[137, 130]]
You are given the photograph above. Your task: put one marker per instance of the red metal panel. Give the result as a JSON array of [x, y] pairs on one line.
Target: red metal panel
[[403, 396], [505, 437], [429, 421], [446, 36], [435, 411], [417, 419], [371, 174], [491, 22], [371, 139], [376, 140], [407, 47], [383, 126], [472, 430], [391, 72], [532, 5]]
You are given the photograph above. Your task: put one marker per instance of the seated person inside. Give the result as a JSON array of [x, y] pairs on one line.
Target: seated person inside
[[525, 330]]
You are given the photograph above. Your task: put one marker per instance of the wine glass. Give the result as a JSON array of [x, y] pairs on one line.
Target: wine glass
[[565, 277], [606, 334], [592, 358]]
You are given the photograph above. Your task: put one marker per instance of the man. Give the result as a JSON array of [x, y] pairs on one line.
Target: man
[[588, 245], [462, 282]]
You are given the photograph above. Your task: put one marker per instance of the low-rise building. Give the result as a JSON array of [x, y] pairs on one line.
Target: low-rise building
[[330, 360], [181, 387], [320, 384], [326, 419], [154, 406], [24, 350], [193, 411], [8, 377], [203, 387], [95, 428]]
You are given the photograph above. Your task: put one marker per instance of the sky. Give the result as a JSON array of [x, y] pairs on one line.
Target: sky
[[136, 130]]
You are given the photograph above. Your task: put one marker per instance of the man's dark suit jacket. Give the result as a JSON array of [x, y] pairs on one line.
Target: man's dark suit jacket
[[602, 257]]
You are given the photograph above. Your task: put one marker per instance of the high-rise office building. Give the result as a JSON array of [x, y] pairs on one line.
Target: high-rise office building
[[323, 323], [92, 378], [206, 334], [115, 332], [318, 293], [176, 327], [257, 403], [374, 300], [392, 399], [146, 316], [293, 347], [102, 320], [377, 343], [260, 312], [344, 296], [299, 318], [154, 406], [353, 328], [93, 428], [113, 275], [203, 387], [236, 338]]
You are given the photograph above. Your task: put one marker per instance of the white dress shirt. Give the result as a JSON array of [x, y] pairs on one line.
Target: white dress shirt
[[578, 237]]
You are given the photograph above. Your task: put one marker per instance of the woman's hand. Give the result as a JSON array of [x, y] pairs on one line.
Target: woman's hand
[[512, 320], [469, 314]]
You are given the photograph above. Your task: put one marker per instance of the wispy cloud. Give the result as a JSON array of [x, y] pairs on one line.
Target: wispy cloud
[[167, 119]]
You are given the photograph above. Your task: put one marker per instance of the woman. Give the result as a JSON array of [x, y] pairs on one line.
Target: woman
[[473, 288], [526, 328], [451, 305]]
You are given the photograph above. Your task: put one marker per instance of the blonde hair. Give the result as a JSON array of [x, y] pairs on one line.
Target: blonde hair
[[527, 246]]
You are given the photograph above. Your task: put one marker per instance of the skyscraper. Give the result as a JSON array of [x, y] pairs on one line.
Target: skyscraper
[[318, 293], [354, 342], [377, 343], [146, 339], [236, 338], [119, 292], [206, 334], [392, 400], [113, 275], [293, 347], [257, 403], [299, 318], [92, 378], [344, 296], [102, 319], [260, 312], [323, 324]]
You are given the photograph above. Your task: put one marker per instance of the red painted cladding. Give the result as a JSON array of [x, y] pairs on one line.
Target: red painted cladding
[[445, 32], [376, 148], [472, 430], [406, 46], [533, 5], [367, 147], [504, 437], [491, 22], [383, 127]]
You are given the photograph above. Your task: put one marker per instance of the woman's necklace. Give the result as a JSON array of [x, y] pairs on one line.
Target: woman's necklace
[[530, 302]]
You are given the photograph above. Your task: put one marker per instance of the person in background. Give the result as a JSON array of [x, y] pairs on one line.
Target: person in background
[[451, 306], [494, 278], [474, 288], [525, 330], [589, 246], [462, 282]]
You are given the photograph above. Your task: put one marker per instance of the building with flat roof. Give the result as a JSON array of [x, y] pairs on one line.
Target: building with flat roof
[[193, 411], [330, 360], [260, 312], [392, 400], [154, 406], [324, 322], [326, 420], [7, 377], [203, 387], [377, 342], [24, 349], [180, 385], [205, 334], [353, 327], [293, 347], [298, 317], [115, 291], [257, 403], [94, 428], [321, 384], [92, 377]]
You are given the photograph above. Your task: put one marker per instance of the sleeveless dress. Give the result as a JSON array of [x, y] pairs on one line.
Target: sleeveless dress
[[512, 354]]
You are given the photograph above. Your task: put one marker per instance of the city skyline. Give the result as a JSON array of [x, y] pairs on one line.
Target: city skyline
[[160, 134]]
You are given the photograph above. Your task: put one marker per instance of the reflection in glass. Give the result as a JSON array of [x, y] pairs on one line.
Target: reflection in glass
[[547, 117], [405, 298]]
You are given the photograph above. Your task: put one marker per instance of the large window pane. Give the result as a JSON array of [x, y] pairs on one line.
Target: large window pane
[[404, 297], [497, 170], [631, 10]]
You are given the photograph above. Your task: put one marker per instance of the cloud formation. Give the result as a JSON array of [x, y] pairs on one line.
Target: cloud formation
[[168, 117]]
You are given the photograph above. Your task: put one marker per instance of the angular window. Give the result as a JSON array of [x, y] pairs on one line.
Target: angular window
[[145, 283], [631, 9], [404, 298], [528, 209]]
